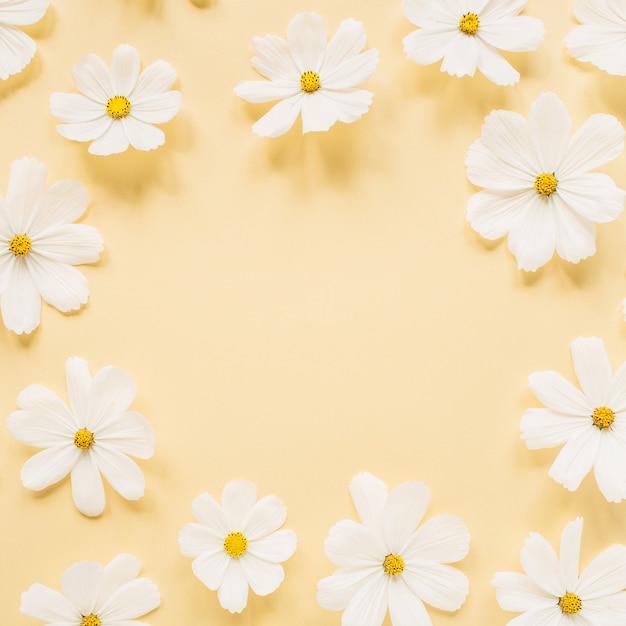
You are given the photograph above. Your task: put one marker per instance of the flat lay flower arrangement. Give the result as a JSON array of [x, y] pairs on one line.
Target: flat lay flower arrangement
[[313, 313]]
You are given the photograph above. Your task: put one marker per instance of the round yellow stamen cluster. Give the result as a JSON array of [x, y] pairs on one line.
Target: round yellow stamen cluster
[[469, 23], [546, 184], [235, 545], [83, 439], [570, 603], [90, 620], [118, 106], [393, 564], [20, 245], [310, 81], [603, 417]]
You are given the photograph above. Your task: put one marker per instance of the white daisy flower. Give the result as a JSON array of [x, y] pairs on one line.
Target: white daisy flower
[[39, 244], [94, 595], [601, 39], [16, 48], [238, 544], [591, 423], [120, 105], [310, 76], [386, 564], [467, 35], [538, 185], [551, 593], [94, 435]]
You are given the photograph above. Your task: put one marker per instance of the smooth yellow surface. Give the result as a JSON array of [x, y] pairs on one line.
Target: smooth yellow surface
[[297, 310]]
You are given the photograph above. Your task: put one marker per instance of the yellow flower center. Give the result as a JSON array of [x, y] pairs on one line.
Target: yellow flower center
[[310, 81], [20, 245], [118, 106], [90, 620], [469, 23], [603, 417], [83, 439], [393, 564], [570, 603], [546, 184], [235, 545]]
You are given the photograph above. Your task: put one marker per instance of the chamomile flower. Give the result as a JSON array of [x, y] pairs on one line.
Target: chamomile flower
[[552, 593], [119, 105], [94, 595], [310, 76], [39, 244], [238, 544], [539, 188], [601, 38], [16, 48], [589, 424], [94, 435], [386, 564], [467, 35]]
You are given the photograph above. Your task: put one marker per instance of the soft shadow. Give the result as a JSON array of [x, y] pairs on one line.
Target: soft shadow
[[154, 7], [21, 79], [203, 4], [44, 28]]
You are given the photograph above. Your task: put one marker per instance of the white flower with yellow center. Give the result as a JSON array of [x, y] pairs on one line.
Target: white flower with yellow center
[[551, 593], [39, 244], [310, 76], [589, 424], [385, 563], [601, 39], [539, 188], [94, 595], [467, 35], [17, 48], [93, 436], [238, 544], [119, 105]]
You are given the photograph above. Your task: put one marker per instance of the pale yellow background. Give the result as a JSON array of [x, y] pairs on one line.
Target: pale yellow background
[[297, 310]]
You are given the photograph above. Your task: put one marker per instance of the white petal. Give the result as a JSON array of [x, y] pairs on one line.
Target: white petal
[[306, 38], [549, 125], [122, 473], [16, 51], [496, 10], [495, 67], [87, 487], [27, 183], [404, 510], [593, 369], [517, 592], [142, 136], [130, 434], [543, 428], [606, 610], [610, 467], [86, 131], [22, 12], [354, 545], [119, 571], [550, 616], [570, 552], [439, 585], [49, 466], [233, 592], [133, 599], [575, 235], [93, 78], [71, 244], [558, 394], [493, 214], [157, 78], [210, 568], [541, 563], [73, 108], [349, 104], [263, 577], [604, 47], [351, 71], [462, 55], [158, 108], [319, 112], [369, 604], [335, 592], [515, 34], [80, 584], [257, 91], [405, 608], [41, 430], [274, 59], [593, 196], [616, 397], [48, 605], [276, 547], [208, 512], [444, 539], [60, 205], [112, 392], [266, 516], [576, 458], [124, 69], [40, 399], [280, 118], [427, 46], [197, 540], [428, 14], [78, 380], [605, 575], [112, 141], [369, 495], [21, 302], [238, 499], [347, 42]]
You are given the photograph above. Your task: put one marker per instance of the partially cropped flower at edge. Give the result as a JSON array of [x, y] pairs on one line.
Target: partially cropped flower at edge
[[39, 245], [94, 595], [238, 544], [94, 435], [310, 76], [119, 106], [538, 184]]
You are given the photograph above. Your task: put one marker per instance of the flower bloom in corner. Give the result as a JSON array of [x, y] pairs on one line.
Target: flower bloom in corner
[[94, 435], [94, 595], [238, 544], [39, 244], [386, 564], [18, 48], [538, 185], [589, 424], [310, 76], [119, 105], [467, 34], [551, 593], [601, 38]]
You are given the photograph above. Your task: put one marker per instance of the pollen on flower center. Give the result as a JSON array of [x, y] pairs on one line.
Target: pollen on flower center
[[118, 106], [393, 564], [469, 23], [235, 545], [83, 439], [20, 245], [546, 184], [310, 81], [603, 417], [570, 603], [90, 620]]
